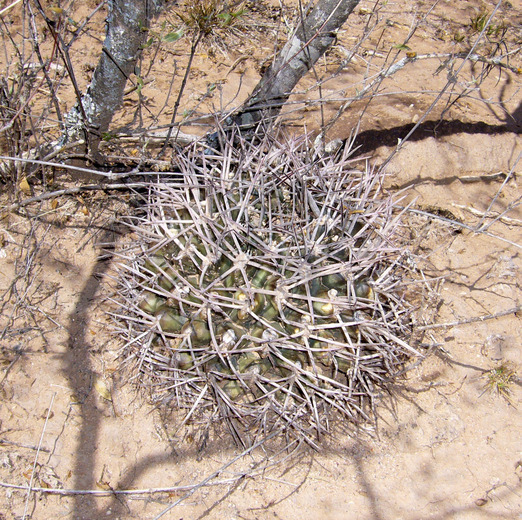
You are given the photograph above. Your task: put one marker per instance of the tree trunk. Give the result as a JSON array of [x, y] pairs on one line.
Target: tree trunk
[[127, 25], [315, 33]]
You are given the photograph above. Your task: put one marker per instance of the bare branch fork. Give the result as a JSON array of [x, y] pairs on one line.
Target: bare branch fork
[[313, 36]]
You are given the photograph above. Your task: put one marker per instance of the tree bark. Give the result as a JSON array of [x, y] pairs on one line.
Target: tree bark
[[127, 28], [313, 36]]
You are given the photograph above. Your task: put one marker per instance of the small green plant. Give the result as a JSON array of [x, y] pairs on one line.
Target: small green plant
[[210, 16], [478, 22], [500, 379]]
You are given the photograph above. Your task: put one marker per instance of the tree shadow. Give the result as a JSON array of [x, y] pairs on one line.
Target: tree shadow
[[377, 509], [78, 370], [369, 140]]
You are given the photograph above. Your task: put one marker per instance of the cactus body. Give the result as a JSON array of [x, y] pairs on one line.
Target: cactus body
[[263, 279]]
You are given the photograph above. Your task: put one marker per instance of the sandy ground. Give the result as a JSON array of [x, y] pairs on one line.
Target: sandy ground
[[447, 446]]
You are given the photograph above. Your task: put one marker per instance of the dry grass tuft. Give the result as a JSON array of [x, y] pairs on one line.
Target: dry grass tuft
[[500, 379]]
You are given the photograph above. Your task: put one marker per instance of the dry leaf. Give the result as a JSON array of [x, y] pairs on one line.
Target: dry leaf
[[102, 388], [47, 413], [24, 186], [56, 10], [54, 203], [85, 211], [103, 485]]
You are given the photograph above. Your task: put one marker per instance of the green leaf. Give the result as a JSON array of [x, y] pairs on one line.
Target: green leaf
[[401, 47], [173, 36], [225, 17], [140, 84], [107, 136], [142, 27], [148, 43]]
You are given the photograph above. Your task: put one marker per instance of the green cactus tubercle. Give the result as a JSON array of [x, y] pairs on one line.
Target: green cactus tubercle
[[254, 290]]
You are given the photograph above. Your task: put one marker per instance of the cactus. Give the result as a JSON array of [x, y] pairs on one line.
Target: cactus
[[265, 289]]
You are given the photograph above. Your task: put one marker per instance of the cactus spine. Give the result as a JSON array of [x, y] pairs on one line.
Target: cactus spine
[[264, 288]]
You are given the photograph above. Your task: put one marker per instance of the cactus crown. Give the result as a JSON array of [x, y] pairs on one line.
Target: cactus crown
[[265, 291]]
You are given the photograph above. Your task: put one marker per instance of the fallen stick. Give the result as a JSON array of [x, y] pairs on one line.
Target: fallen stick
[[471, 320]]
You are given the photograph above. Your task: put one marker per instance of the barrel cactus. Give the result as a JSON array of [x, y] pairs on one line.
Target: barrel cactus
[[264, 289]]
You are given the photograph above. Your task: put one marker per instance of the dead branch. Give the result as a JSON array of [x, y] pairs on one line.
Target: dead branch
[[476, 319]]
